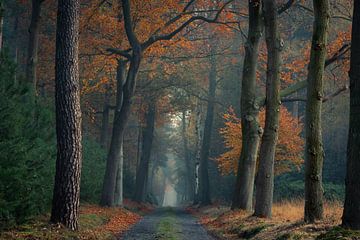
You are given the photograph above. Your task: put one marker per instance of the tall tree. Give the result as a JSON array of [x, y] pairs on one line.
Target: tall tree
[[189, 173], [251, 131], [314, 153], [33, 43], [265, 176], [351, 216], [114, 156], [66, 195], [205, 198], [147, 138]]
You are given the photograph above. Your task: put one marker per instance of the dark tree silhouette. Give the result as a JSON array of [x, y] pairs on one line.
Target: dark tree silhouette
[[351, 217]]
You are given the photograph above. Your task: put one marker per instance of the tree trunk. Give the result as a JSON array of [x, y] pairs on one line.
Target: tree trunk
[[314, 153], [114, 156], [351, 216], [119, 178], [251, 131], [122, 112], [189, 170], [265, 177], [143, 169], [105, 120], [33, 44], [199, 135], [66, 195], [205, 198]]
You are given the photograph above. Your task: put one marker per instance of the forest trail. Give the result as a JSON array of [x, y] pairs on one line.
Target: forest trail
[[167, 224]]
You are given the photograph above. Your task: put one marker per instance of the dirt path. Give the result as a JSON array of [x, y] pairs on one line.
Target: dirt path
[[167, 224]]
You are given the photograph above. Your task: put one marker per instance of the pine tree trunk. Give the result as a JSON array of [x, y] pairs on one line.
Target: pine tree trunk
[[66, 195], [251, 131], [265, 177], [314, 153], [205, 198], [143, 169], [122, 111], [351, 216], [33, 44]]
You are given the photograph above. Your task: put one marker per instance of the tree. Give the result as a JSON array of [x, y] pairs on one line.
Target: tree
[[265, 176], [33, 44], [205, 198], [66, 195], [251, 131], [114, 156], [351, 215], [147, 138], [314, 153], [189, 181], [289, 149]]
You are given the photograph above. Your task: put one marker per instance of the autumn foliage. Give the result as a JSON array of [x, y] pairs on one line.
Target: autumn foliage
[[288, 152]]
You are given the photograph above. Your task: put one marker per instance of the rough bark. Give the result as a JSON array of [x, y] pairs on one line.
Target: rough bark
[[143, 169], [65, 204], [351, 215], [314, 153], [104, 135], [114, 155], [251, 131], [33, 44], [265, 176]]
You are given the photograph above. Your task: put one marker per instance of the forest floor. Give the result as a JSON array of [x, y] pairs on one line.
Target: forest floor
[[286, 224], [168, 224], [94, 223]]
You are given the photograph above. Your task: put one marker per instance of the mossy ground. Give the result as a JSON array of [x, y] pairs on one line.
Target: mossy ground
[[94, 223], [287, 223]]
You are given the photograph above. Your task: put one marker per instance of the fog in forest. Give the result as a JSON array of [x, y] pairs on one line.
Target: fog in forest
[[179, 119]]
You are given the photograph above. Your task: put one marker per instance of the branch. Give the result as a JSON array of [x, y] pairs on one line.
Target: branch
[[153, 39], [325, 99], [302, 84], [116, 51], [341, 52], [286, 6], [134, 42], [336, 93]]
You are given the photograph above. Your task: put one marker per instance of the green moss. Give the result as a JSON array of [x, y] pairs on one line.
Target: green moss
[[339, 233], [168, 228], [289, 236], [91, 221]]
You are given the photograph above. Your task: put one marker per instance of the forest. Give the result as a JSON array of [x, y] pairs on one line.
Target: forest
[[179, 119]]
